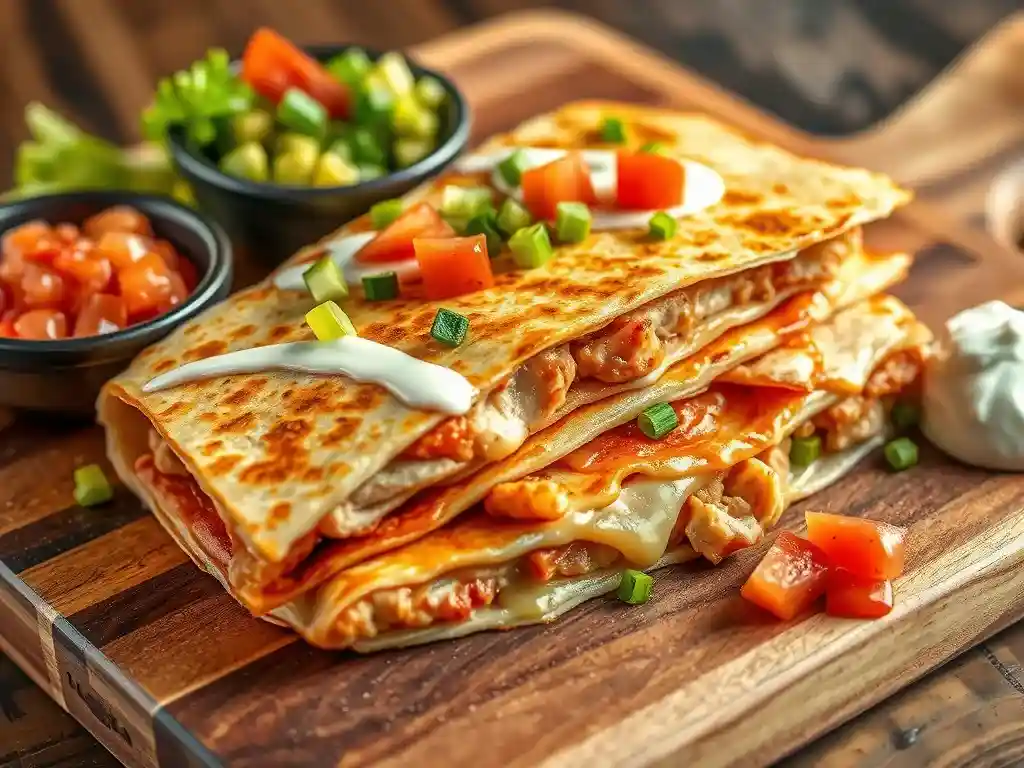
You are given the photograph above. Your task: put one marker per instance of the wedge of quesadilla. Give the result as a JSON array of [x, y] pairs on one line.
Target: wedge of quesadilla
[[542, 544], [274, 475]]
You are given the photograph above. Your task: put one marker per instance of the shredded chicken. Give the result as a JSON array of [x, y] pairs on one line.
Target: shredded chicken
[[850, 421], [897, 373], [576, 559], [527, 500]]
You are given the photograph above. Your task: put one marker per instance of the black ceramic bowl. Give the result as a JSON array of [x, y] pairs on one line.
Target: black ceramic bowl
[[65, 375], [268, 222]]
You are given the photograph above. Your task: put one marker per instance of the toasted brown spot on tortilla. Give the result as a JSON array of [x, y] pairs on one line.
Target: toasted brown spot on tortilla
[[206, 349], [316, 397], [191, 329], [279, 332], [344, 427], [739, 197], [780, 189], [279, 513], [242, 332], [383, 333], [286, 454], [248, 390], [209, 416], [163, 365], [240, 423], [224, 464], [173, 408]]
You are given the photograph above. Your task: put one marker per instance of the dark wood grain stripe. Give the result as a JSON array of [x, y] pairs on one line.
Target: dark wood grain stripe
[[144, 603], [72, 527]]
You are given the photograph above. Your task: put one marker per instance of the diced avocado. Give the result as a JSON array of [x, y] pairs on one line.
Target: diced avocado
[[296, 166], [254, 125], [246, 161], [414, 120], [334, 171]]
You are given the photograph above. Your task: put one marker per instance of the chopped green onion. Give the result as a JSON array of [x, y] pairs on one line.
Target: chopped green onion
[[410, 151], [412, 119], [92, 486], [449, 327], [613, 131], [367, 148], [350, 66], [901, 453], [572, 222], [654, 148], [658, 420], [662, 226], [512, 167], [246, 161], [300, 112], [384, 212], [635, 587], [904, 415], [334, 171], [531, 246], [325, 281], [512, 217], [380, 287], [254, 125], [484, 224], [394, 71], [804, 451], [430, 92], [464, 202], [328, 322]]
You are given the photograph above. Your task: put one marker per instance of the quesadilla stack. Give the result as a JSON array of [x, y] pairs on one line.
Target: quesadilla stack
[[330, 502]]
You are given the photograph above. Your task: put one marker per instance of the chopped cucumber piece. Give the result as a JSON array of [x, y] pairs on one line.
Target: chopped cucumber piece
[[300, 112], [325, 281]]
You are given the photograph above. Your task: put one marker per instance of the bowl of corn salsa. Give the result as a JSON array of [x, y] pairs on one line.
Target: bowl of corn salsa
[[87, 280], [314, 137]]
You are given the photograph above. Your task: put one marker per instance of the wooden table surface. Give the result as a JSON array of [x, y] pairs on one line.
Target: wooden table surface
[[830, 66]]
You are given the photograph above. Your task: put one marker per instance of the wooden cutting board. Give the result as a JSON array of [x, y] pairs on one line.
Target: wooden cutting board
[[109, 617]]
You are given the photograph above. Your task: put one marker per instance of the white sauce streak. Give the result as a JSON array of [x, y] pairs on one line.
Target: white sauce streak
[[343, 252], [418, 384], [974, 392]]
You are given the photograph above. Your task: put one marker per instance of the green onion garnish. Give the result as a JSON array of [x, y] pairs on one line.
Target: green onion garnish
[[613, 131], [484, 224], [512, 217], [572, 222], [635, 587], [464, 202], [385, 212], [654, 148], [531, 246], [658, 420], [449, 327], [325, 281], [804, 451], [662, 226], [328, 322], [901, 453], [904, 416], [512, 167], [380, 287], [300, 112], [92, 486]]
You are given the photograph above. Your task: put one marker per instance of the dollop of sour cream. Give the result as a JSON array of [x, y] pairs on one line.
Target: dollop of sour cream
[[973, 407], [416, 383], [702, 186]]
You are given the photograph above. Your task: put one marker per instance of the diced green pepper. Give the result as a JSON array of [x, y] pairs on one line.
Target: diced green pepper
[[375, 103], [804, 451], [412, 119], [613, 131], [430, 92], [572, 222], [901, 453], [662, 226], [512, 167], [296, 166], [410, 151], [246, 161], [328, 322], [531, 246], [380, 287], [325, 281], [512, 217], [484, 224], [334, 171], [463, 203], [658, 420], [635, 587], [367, 148], [255, 125], [350, 66], [300, 112], [92, 486], [385, 212], [449, 328], [395, 72]]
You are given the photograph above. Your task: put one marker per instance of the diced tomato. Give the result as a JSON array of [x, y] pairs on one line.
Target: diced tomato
[[41, 324], [101, 313], [790, 577], [564, 180], [852, 597], [178, 292], [43, 287], [394, 242], [865, 548], [90, 269], [271, 65], [453, 266], [7, 328], [122, 248], [66, 234], [648, 181], [23, 237], [187, 270], [166, 251], [119, 218], [45, 250], [145, 285]]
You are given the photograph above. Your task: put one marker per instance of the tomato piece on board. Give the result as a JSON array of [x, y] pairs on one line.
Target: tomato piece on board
[[43, 287], [866, 548], [852, 597], [123, 248], [394, 242], [453, 266], [272, 64], [565, 180], [41, 324], [145, 285], [118, 218], [790, 577], [647, 181], [101, 313]]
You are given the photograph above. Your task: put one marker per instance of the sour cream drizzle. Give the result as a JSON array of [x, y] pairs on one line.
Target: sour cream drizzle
[[416, 383], [974, 391]]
